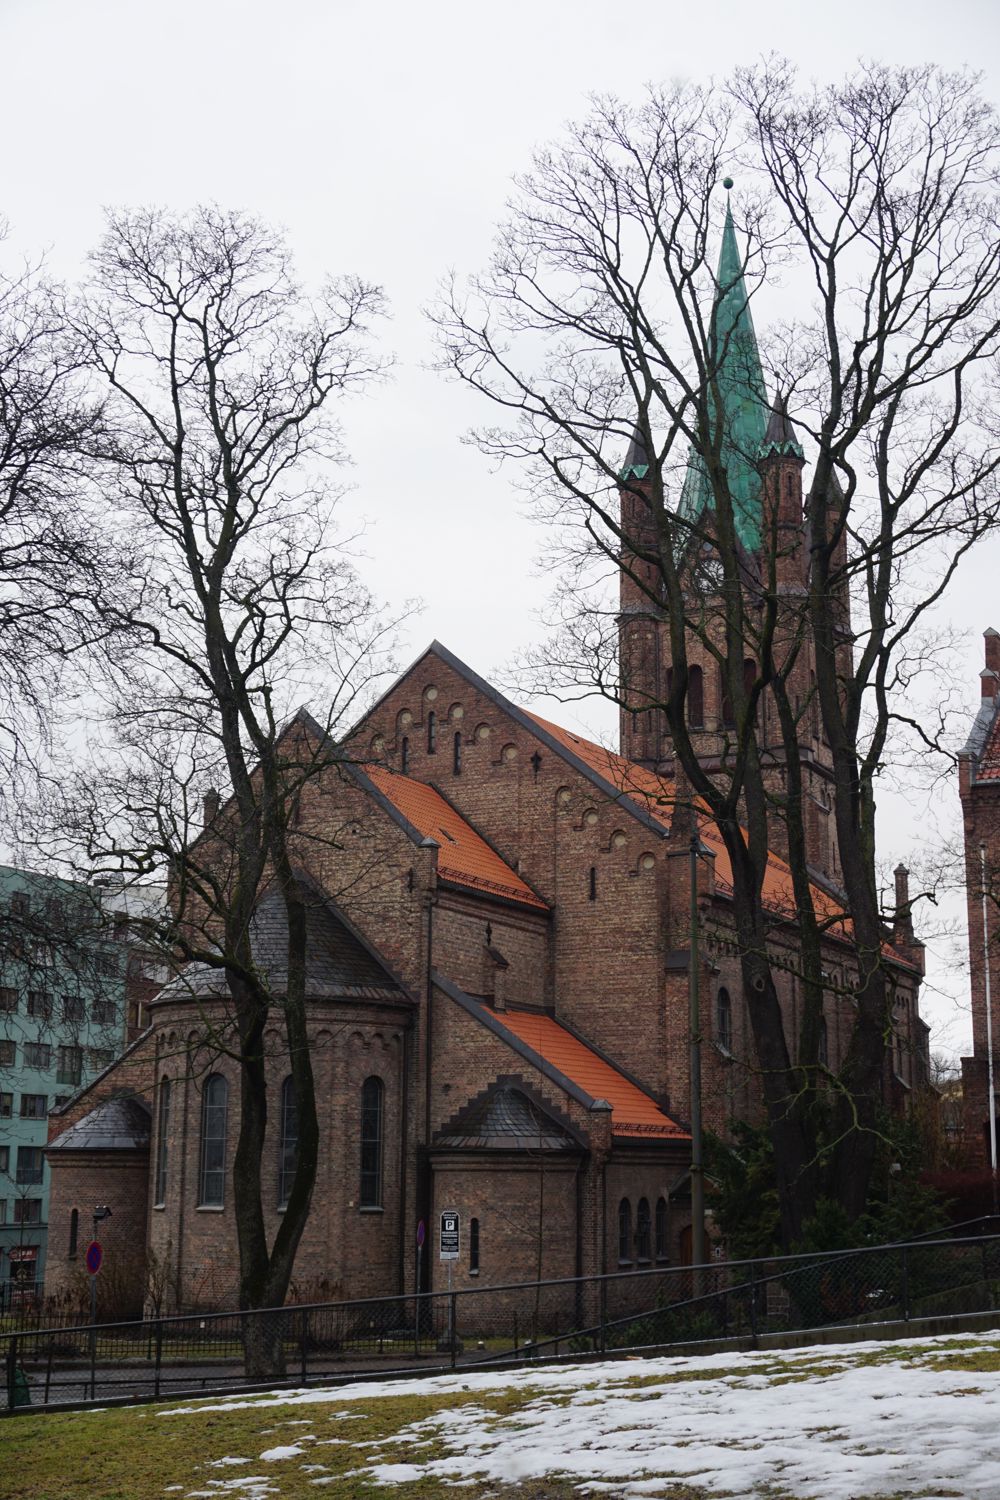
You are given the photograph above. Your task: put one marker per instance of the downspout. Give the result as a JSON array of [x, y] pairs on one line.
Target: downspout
[[404, 1119]]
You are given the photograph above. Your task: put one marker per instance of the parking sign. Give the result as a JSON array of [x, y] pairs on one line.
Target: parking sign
[[450, 1234]]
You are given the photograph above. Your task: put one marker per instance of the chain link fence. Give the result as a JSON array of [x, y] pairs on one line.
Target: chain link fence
[[630, 1309]]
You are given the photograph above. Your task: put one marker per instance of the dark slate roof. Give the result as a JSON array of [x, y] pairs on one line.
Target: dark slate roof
[[120, 1124], [636, 465], [505, 1119], [780, 435], [339, 964]]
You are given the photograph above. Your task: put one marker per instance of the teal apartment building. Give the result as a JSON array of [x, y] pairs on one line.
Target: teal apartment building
[[64, 957]]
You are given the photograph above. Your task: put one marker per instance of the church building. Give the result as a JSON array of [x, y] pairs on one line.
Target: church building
[[498, 986]]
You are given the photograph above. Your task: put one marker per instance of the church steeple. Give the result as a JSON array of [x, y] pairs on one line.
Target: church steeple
[[740, 408], [636, 465]]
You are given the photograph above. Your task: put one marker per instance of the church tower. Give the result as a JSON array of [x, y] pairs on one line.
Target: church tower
[[764, 463]]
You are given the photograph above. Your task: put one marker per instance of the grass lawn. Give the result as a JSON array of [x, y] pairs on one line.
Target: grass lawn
[[469, 1437]]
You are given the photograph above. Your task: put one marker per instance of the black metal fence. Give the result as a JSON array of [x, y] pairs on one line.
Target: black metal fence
[[506, 1324]]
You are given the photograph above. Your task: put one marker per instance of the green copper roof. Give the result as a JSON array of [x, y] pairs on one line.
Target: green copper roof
[[636, 464], [744, 405]]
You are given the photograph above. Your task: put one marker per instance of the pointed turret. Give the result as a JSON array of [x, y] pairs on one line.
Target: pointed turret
[[636, 465], [780, 436], [734, 362]]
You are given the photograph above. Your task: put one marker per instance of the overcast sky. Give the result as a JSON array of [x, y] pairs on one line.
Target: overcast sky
[[383, 138]]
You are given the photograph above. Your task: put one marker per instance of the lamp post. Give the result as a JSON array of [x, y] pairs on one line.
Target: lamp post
[[991, 1088], [694, 1023]]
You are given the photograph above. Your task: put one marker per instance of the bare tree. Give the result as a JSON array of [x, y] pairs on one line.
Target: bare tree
[[601, 331], [220, 378]]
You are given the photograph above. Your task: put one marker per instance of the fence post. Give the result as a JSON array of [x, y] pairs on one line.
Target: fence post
[[93, 1359], [905, 1289], [451, 1325], [304, 1343], [753, 1304], [158, 1356], [11, 1370], [603, 1299]]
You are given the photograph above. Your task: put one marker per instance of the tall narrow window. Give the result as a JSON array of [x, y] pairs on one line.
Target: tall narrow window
[[624, 1231], [824, 1044], [643, 1230], [404, 755], [661, 1229], [456, 753], [162, 1146], [74, 1232], [288, 1149], [473, 1245], [696, 698], [724, 1020], [371, 1143], [214, 1102], [432, 732], [593, 883]]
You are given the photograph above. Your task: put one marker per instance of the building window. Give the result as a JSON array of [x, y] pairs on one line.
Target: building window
[[6, 1106], [30, 1164], [104, 1012], [288, 1149], [39, 1004], [624, 1232], [8, 997], [37, 1055], [73, 1008], [432, 732], [456, 753], [661, 1229], [724, 1020], [162, 1143], [99, 1058], [4, 1160], [3, 1210], [214, 1101], [696, 698], [108, 963], [592, 893], [34, 1106], [74, 1232], [404, 756], [473, 1245], [643, 1230], [27, 1210], [371, 1143], [69, 1065], [8, 1054], [823, 1052]]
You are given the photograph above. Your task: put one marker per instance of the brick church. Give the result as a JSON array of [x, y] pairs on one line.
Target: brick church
[[498, 985]]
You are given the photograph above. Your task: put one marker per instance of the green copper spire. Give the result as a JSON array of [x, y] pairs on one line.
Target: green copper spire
[[743, 402]]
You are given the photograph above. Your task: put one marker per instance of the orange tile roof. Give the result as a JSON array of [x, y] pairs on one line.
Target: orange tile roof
[[463, 858], [655, 795], [633, 1113]]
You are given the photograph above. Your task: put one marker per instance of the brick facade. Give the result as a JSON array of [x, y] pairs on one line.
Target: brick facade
[[597, 940]]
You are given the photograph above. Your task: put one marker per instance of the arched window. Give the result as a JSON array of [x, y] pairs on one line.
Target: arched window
[[724, 1020], [643, 1229], [74, 1232], [823, 1052], [456, 753], [432, 732], [624, 1231], [162, 1143], [288, 1147], [473, 1245], [661, 1229], [212, 1177], [696, 698], [371, 1143], [404, 756]]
